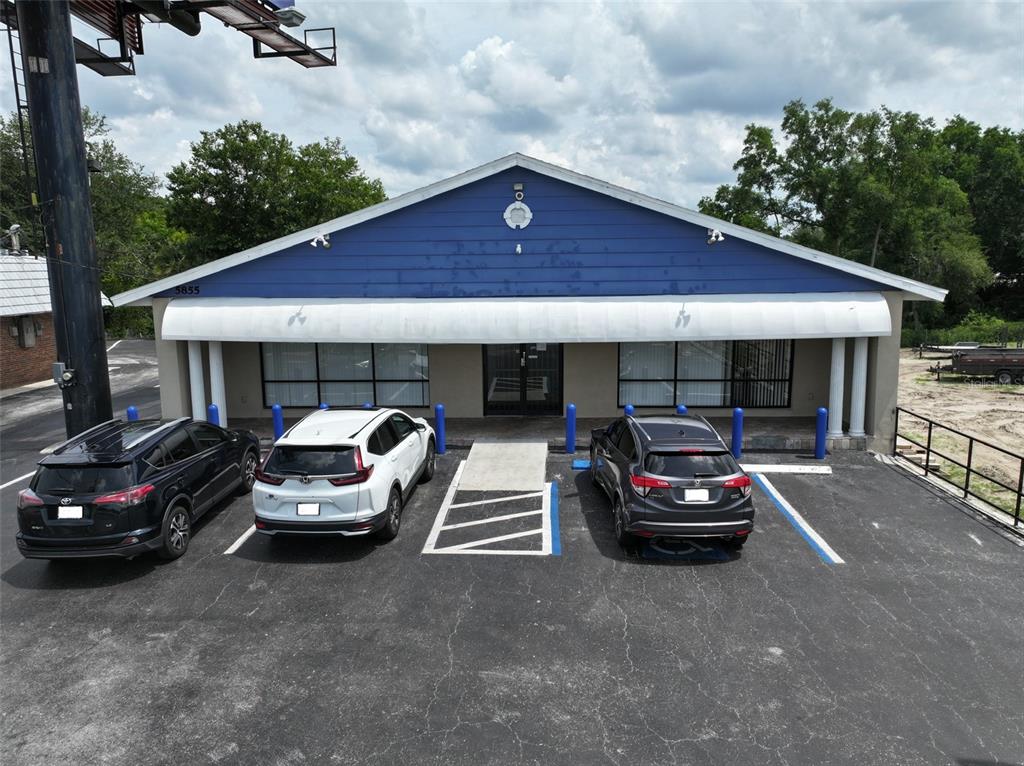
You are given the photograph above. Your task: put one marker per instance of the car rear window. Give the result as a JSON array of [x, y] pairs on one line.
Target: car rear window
[[685, 466], [82, 480], [311, 461]]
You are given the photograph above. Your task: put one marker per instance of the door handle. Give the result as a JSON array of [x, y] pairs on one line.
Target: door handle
[[394, 458]]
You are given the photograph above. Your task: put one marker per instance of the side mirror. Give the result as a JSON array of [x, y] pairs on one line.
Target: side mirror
[[420, 427]]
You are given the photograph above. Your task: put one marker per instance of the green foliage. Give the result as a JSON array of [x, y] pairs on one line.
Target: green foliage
[[976, 326], [244, 185], [890, 189]]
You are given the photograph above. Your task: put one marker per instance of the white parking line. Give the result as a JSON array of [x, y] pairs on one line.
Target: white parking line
[[975, 538], [490, 519], [15, 481], [489, 540], [238, 543], [772, 468], [113, 346], [442, 512], [496, 500]]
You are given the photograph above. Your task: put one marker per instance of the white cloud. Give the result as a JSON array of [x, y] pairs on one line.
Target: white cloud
[[654, 96]]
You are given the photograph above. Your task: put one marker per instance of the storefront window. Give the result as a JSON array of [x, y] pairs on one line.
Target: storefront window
[[345, 374], [753, 373]]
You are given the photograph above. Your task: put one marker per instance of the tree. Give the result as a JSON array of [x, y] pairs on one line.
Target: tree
[[876, 187], [244, 185]]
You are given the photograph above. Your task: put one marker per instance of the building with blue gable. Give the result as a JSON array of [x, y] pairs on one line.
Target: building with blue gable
[[518, 287]]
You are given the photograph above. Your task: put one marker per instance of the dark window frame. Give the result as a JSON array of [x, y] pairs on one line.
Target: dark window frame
[[373, 380], [733, 380]]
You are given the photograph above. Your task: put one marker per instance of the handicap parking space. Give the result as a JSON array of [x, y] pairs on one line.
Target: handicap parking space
[[498, 503], [673, 652]]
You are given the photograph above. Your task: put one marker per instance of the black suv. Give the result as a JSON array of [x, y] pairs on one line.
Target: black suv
[[126, 487], [671, 476]]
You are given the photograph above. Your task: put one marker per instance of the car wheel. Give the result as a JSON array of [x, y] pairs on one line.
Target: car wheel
[[428, 463], [622, 537], [392, 517], [177, 531], [249, 463], [1004, 377]]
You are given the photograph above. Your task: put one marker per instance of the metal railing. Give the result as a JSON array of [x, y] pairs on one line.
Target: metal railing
[[1015, 493]]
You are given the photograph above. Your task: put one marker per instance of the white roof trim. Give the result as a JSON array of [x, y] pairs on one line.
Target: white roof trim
[[914, 288], [526, 320]]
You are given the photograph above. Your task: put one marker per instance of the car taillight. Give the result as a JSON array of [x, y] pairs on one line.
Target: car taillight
[[129, 496], [642, 485], [266, 478], [27, 497], [361, 474], [741, 483]]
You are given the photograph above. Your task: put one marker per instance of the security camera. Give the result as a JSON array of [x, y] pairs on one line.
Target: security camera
[[323, 240], [714, 235]]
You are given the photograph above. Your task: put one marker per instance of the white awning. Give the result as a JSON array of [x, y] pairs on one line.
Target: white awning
[[528, 320]]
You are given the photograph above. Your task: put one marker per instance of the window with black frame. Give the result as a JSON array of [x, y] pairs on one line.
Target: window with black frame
[[746, 373], [345, 374]]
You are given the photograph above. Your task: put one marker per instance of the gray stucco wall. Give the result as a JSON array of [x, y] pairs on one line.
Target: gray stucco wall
[[883, 379], [456, 379], [172, 361]]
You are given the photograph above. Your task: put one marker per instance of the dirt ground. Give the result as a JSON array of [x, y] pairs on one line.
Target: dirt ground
[[978, 407], [981, 408]]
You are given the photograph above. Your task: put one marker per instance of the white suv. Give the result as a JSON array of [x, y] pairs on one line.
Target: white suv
[[343, 471]]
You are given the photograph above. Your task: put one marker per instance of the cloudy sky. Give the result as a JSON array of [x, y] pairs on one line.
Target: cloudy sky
[[651, 96]]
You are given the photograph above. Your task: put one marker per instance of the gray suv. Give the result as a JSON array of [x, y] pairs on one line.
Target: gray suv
[[671, 476]]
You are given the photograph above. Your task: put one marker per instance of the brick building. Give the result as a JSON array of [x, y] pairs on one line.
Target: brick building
[[27, 347]]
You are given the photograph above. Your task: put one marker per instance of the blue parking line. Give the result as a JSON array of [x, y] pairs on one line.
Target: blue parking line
[[817, 543], [580, 465], [556, 538]]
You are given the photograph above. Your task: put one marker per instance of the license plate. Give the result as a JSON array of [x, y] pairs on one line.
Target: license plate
[[69, 512], [695, 495], [308, 509]]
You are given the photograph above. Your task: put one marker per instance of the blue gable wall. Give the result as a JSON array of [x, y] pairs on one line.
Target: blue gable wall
[[579, 243]]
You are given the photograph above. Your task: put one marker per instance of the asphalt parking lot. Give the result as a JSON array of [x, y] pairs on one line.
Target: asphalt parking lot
[[350, 651]]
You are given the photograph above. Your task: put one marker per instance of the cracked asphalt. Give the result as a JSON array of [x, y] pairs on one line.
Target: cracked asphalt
[[354, 652]]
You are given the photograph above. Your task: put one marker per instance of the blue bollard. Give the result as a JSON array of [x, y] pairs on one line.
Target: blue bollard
[[367, 405], [439, 427], [213, 414], [819, 433], [278, 421], [132, 413], [737, 433], [570, 428], [681, 409], [629, 409], [323, 405]]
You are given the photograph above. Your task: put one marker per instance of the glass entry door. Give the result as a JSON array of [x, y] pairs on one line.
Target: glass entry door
[[523, 379]]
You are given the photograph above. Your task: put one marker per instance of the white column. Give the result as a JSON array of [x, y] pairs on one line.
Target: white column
[[217, 394], [858, 386], [835, 388], [195, 380]]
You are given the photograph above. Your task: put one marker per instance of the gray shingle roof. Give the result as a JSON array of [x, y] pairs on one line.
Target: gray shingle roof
[[24, 286]]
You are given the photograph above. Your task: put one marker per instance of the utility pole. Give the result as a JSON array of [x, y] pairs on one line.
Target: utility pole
[[55, 115]]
